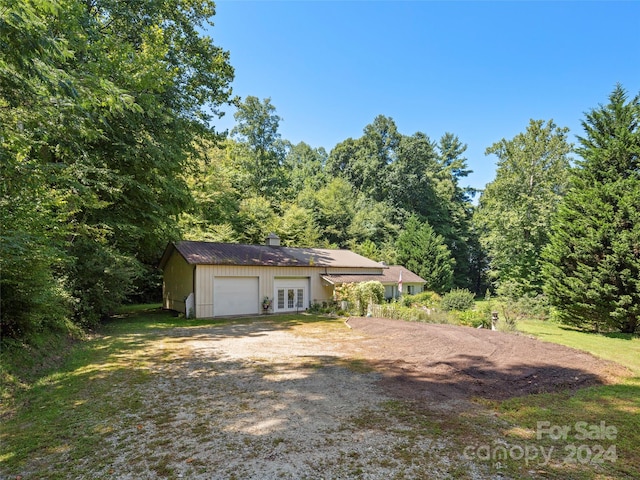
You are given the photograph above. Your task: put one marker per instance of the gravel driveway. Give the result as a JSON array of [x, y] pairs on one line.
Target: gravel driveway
[[259, 400], [371, 399]]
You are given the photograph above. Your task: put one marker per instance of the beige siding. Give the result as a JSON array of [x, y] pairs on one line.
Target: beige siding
[[177, 283], [318, 290], [204, 292], [205, 276]]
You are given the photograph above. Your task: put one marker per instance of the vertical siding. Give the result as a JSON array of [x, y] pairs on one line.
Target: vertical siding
[[204, 292], [206, 274], [319, 291], [177, 283]]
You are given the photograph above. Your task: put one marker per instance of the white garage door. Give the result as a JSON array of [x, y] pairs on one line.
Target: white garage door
[[235, 296]]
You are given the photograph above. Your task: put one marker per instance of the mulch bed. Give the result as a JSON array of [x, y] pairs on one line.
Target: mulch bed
[[441, 362]]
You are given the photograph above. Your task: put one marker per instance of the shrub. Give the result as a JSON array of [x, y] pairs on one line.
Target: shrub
[[398, 311], [459, 299], [474, 318], [368, 293], [427, 299]]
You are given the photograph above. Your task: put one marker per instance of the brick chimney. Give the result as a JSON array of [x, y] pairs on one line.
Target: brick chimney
[[273, 240]]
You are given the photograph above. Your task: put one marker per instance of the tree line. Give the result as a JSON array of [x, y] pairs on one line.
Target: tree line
[[109, 150]]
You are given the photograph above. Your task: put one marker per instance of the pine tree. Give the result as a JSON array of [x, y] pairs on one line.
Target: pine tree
[[592, 270], [423, 251]]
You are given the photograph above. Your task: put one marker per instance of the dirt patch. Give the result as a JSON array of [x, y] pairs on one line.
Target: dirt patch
[[444, 362]]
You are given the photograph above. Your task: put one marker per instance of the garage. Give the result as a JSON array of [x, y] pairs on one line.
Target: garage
[[235, 296]]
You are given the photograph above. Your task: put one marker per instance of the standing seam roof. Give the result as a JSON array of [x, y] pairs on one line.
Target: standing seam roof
[[209, 253]]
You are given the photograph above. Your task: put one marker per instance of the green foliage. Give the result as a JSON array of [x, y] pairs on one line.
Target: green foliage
[[593, 260], [31, 298], [101, 280], [101, 105], [333, 208], [427, 299], [515, 210], [399, 311], [368, 293], [459, 299], [472, 318], [423, 252], [256, 219], [297, 227], [305, 167], [260, 149]]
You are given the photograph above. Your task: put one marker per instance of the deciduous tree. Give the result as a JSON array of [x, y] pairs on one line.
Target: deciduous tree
[[514, 213]]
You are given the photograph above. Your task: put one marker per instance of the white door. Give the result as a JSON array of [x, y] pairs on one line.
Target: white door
[[235, 296], [291, 294]]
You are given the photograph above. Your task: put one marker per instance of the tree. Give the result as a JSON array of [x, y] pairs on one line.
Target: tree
[[455, 201], [34, 93], [409, 183], [333, 207], [372, 221], [305, 166], [213, 212], [256, 219], [424, 252], [261, 151], [592, 269], [364, 162], [514, 213], [102, 104], [297, 227]]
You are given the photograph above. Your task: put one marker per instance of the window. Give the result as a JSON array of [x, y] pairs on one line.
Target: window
[[280, 298], [290, 298], [411, 289], [300, 298]]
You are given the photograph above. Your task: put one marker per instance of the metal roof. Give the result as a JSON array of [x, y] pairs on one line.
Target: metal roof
[[389, 276], [209, 253]]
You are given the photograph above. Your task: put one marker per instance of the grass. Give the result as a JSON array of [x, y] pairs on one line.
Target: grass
[[58, 396], [622, 348], [59, 405], [585, 452]]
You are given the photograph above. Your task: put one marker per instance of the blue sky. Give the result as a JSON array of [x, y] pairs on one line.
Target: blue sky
[[480, 70]]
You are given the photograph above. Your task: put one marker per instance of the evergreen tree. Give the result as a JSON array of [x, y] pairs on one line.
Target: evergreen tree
[[593, 260], [423, 251]]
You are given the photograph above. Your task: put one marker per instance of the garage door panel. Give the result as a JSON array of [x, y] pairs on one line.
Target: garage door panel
[[235, 296]]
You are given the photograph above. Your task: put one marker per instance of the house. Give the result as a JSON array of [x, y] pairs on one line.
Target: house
[[390, 277], [206, 279]]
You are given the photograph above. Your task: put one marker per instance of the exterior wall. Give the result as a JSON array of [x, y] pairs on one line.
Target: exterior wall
[[391, 290], [177, 283], [318, 289]]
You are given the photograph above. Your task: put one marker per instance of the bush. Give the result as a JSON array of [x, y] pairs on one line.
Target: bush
[[32, 300], [423, 299], [398, 311], [459, 299], [473, 318], [368, 293], [100, 278]]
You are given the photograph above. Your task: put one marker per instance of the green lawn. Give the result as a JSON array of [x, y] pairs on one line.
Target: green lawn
[[622, 348], [598, 456]]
